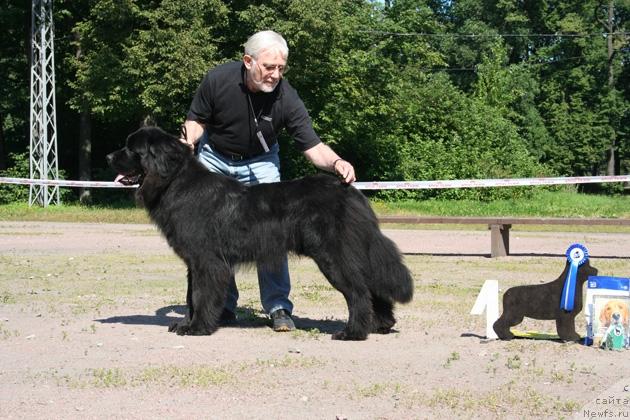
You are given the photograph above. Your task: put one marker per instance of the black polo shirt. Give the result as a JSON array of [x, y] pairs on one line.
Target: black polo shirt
[[221, 103]]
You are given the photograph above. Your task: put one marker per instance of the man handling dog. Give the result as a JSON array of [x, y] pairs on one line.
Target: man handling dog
[[234, 120]]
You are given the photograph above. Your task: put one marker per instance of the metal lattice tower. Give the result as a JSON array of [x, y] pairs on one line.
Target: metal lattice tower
[[43, 144]]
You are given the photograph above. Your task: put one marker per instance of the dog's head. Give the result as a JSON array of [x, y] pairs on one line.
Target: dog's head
[[149, 152], [614, 309]]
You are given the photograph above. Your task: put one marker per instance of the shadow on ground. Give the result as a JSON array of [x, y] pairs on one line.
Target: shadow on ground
[[246, 318]]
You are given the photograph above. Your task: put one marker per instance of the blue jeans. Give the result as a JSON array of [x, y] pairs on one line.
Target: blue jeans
[[274, 287]]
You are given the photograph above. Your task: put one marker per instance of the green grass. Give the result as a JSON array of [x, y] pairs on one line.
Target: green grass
[[196, 376], [542, 204], [72, 213]]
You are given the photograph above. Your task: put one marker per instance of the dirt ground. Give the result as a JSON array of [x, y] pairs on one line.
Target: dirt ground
[[84, 310]]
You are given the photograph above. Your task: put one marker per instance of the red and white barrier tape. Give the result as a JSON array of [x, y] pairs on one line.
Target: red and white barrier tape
[[484, 183], [64, 183], [386, 185]]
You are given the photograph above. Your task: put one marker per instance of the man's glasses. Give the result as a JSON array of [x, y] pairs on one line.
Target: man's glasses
[[270, 68]]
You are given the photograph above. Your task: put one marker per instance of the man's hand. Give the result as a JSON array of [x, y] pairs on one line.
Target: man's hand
[[345, 170], [325, 158], [187, 143], [190, 133]]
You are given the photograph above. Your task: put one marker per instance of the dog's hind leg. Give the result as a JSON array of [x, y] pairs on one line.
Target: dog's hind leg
[[509, 318], [383, 315], [502, 327], [512, 314], [357, 297], [565, 326], [359, 316]]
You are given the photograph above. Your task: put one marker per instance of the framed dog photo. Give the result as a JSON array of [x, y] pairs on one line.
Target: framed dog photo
[[607, 311]]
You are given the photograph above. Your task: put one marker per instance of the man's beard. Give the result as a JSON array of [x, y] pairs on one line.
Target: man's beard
[[260, 85]]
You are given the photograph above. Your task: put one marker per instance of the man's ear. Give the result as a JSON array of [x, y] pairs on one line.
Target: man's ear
[[248, 60]]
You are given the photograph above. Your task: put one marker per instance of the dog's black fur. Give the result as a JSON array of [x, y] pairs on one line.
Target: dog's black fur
[[542, 301], [215, 223]]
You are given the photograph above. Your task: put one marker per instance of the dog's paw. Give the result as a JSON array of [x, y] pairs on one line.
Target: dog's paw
[[185, 327], [383, 330], [191, 329], [570, 338], [183, 330], [173, 327], [346, 336], [502, 331], [180, 328], [503, 335]]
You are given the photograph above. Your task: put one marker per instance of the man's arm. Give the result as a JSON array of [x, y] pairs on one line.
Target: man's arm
[[191, 132], [325, 158]]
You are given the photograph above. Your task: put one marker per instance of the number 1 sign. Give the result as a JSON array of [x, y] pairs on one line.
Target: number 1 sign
[[488, 299]]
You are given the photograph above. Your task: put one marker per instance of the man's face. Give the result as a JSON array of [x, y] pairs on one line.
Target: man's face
[[264, 73]]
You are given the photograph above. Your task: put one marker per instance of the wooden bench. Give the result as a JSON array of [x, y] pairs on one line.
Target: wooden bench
[[500, 226]]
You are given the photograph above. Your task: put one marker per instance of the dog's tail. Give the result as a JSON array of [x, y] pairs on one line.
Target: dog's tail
[[375, 255], [391, 277]]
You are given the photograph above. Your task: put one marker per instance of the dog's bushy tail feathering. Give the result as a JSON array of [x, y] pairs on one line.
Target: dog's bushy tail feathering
[[391, 276], [379, 259]]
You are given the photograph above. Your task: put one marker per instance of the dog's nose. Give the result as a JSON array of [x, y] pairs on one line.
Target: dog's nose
[[109, 158]]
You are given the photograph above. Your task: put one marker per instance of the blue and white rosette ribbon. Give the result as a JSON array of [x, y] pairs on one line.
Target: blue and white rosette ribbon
[[577, 254]]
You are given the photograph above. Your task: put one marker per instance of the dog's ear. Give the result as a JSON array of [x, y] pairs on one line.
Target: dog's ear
[[168, 155], [137, 143], [160, 153], [603, 314]]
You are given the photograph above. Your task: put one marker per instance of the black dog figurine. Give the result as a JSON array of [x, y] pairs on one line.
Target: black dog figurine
[[542, 301]]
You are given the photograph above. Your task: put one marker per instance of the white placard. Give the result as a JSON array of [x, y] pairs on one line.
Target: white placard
[[488, 299]]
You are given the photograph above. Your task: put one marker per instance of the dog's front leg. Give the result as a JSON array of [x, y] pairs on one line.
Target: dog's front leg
[[206, 298], [189, 306]]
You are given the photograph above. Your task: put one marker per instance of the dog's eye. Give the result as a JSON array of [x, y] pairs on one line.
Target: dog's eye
[[132, 155]]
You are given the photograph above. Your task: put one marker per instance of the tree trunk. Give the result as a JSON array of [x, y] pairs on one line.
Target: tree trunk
[[3, 158], [610, 28], [85, 154], [85, 138]]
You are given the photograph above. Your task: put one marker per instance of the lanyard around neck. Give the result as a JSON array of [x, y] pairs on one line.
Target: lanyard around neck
[[251, 106], [259, 133]]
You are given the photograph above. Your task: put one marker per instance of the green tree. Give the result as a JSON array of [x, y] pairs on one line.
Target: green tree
[[413, 89], [336, 68], [567, 52], [578, 98], [14, 78], [168, 54], [143, 60], [138, 61]]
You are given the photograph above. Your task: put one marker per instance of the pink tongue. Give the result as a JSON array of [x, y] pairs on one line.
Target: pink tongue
[[118, 178]]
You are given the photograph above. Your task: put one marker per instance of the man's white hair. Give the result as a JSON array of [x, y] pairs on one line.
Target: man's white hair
[[266, 40]]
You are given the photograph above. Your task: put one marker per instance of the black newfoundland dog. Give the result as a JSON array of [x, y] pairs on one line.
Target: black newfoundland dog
[[215, 223]]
